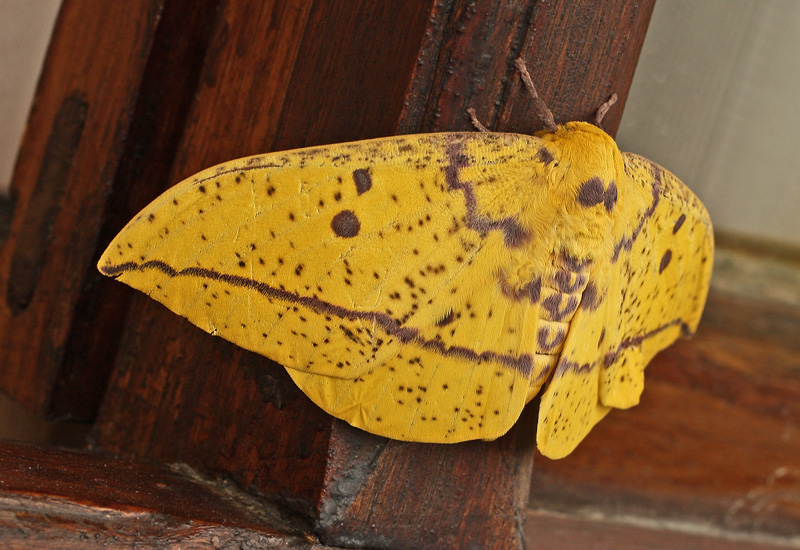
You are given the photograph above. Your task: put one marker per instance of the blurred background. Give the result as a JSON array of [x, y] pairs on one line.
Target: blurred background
[[25, 27], [714, 99]]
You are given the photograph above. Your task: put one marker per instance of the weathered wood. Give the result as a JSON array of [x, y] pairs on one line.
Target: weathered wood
[[578, 55], [715, 440], [101, 137], [63, 499], [390, 494], [547, 531]]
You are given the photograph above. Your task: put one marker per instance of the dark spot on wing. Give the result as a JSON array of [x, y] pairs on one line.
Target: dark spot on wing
[[590, 299], [553, 306], [547, 344], [530, 291], [446, 320], [345, 224], [679, 223], [544, 156], [665, 259], [563, 281], [362, 180], [514, 234], [573, 263]]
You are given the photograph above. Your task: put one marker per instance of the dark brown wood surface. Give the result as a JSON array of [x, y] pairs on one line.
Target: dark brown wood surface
[[99, 141], [548, 531], [715, 440], [71, 138], [199, 83], [64, 499]]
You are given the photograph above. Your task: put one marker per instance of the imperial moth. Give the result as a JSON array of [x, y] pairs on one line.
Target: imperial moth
[[426, 287]]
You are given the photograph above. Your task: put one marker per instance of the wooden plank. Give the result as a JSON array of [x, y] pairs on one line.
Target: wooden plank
[[578, 55], [716, 438], [547, 530], [64, 499], [101, 119], [36, 523], [391, 494]]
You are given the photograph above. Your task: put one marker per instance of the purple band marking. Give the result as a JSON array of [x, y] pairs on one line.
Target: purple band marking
[[522, 363]]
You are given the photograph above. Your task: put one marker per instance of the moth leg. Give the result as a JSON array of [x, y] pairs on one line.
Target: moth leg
[[475, 122], [603, 109]]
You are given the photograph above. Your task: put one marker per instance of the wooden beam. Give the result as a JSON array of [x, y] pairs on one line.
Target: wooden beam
[[98, 145], [59, 499]]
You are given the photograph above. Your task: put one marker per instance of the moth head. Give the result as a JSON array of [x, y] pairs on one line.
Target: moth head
[[579, 142], [587, 162]]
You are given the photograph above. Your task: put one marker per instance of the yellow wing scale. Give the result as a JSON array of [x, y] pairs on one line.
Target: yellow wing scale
[[354, 266], [657, 277], [421, 395], [426, 287]]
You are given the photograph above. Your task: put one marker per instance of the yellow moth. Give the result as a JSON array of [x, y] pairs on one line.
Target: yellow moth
[[426, 287]]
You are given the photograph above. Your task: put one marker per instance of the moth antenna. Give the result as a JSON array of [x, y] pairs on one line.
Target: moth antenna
[[475, 122], [542, 111], [603, 109]]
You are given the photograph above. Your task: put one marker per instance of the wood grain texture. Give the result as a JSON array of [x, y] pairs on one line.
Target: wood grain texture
[[64, 499], [715, 440], [549, 531], [91, 146], [391, 494], [578, 55], [595, 49], [170, 77], [34, 328]]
